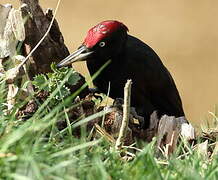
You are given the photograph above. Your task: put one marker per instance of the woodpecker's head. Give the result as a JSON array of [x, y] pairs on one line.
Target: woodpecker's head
[[103, 41]]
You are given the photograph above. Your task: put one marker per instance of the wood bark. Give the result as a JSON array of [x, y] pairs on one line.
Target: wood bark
[[52, 49]]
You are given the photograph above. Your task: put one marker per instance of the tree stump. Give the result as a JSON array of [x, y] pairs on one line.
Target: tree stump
[[20, 31], [52, 49]]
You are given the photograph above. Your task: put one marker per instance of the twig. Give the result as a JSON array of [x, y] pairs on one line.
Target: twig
[[41, 40], [126, 111]]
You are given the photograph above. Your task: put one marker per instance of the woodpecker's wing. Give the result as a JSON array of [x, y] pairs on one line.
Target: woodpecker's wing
[[153, 78]]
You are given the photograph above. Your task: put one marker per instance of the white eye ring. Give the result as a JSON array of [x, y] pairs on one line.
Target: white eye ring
[[102, 44]]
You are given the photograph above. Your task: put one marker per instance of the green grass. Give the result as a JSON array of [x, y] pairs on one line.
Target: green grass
[[35, 149]]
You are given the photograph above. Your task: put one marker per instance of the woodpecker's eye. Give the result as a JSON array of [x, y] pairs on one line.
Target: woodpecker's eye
[[102, 44]]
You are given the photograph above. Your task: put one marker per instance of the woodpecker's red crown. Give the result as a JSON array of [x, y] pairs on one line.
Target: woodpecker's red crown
[[102, 30]]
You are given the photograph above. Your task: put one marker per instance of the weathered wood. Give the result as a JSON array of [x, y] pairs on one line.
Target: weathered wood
[[52, 49], [169, 129], [27, 26], [168, 132], [153, 127], [11, 30]]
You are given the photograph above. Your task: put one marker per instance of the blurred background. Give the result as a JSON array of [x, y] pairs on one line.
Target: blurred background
[[183, 33]]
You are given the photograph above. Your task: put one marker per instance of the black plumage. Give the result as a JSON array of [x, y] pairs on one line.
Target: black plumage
[[153, 87]]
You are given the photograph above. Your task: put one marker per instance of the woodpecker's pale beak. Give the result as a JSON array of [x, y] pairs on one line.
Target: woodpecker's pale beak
[[79, 55]]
